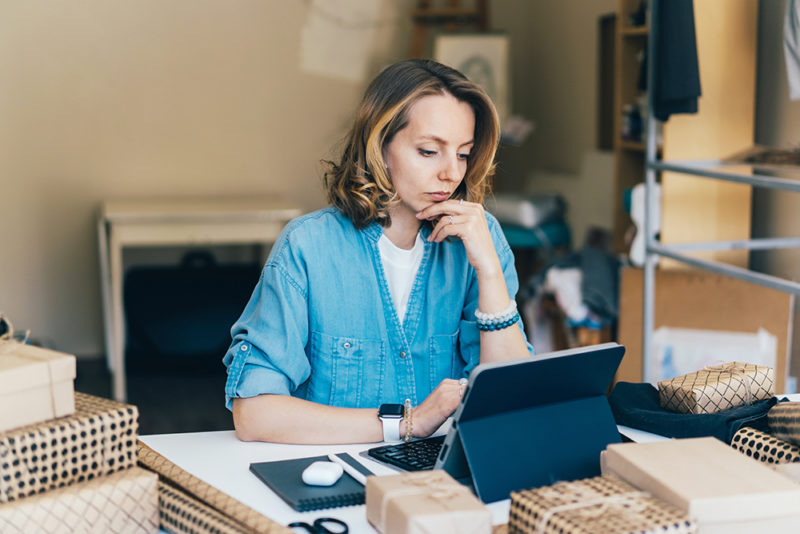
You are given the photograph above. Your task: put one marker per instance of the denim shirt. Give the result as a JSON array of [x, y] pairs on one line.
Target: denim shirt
[[321, 324]]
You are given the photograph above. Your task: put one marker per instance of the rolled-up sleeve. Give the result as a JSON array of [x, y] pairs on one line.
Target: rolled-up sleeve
[[470, 338], [267, 353]]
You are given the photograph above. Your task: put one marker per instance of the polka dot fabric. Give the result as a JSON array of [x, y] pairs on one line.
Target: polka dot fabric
[[764, 447], [98, 439], [621, 509]]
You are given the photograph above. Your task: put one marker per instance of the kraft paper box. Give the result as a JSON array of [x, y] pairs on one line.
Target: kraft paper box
[[98, 439], [719, 487], [783, 420], [599, 504], [765, 447], [717, 388], [123, 503], [186, 501], [36, 384], [424, 502]]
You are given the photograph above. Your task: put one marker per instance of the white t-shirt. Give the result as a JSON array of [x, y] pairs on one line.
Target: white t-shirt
[[400, 266]]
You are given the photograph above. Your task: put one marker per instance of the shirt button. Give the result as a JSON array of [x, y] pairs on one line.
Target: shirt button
[[243, 348], [402, 354], [346, 345]]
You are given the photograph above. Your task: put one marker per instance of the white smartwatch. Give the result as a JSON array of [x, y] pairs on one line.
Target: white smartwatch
[[391, 415]]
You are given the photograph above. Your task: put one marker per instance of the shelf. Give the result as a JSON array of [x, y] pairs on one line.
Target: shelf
[[772, 177], [634, 31], [774, 282]]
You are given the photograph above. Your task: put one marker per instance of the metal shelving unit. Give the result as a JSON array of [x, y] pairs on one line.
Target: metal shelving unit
[[707, 169]]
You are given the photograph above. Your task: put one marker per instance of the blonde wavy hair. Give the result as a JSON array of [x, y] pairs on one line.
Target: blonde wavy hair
[[359, 184]]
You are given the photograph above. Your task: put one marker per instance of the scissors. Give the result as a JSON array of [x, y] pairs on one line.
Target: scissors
[[323, 525]]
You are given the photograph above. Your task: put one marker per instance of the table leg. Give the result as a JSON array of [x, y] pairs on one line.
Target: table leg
[[105, 290], [118, 319]]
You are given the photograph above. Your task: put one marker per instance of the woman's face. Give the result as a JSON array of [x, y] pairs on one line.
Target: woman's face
[[428, 158]]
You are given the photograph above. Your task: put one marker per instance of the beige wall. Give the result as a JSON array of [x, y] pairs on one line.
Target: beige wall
[[118, 98]]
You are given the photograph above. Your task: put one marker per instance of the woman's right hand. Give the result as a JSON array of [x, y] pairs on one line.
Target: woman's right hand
[[434, 410]]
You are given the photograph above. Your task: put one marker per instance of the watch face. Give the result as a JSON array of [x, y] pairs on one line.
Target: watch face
[[391, 410]]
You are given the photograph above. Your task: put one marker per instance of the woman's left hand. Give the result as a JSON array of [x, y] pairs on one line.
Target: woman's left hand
[[467, 221]]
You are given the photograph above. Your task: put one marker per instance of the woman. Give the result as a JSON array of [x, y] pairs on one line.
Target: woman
[[372, 300]]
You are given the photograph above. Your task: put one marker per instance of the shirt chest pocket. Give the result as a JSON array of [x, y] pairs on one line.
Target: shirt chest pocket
[[443, 358], [346, 371]]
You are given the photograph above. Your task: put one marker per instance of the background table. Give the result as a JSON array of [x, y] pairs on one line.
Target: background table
[[172, 223]]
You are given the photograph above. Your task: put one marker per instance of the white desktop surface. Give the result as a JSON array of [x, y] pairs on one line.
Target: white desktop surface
[[221, 460]]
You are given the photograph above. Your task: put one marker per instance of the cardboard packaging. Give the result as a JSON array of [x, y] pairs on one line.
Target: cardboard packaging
[[764, 447], [599, 504], [424, 502], [191, 500], [125, 502], [98, 439], [784, 421], [717, 388], [719, 487], [36, 384]]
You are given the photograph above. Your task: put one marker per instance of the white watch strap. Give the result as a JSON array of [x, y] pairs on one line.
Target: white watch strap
[[391, 428]]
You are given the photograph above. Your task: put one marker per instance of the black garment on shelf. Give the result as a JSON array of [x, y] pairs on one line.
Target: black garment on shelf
[[676, 74], [636, 406]]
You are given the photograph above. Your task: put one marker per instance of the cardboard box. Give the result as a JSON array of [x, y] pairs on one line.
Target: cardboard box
[[125, 502], [764, 447], [98, 439], [36, 384], [599, 504], [423, 502], [717, 388], [720, 488], [192, 498]]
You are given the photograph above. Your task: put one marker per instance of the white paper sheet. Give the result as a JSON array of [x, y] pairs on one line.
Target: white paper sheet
[[678, 351]]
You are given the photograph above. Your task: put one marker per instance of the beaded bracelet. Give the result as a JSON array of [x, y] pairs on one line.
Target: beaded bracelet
[[498, 325], [499, 320], [509, 311], [409, 423]]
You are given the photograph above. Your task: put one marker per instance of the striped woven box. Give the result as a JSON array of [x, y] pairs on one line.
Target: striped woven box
[[784, 421], [187, 504]]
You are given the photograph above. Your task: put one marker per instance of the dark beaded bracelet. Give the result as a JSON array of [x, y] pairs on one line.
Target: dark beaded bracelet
[[499, 326]]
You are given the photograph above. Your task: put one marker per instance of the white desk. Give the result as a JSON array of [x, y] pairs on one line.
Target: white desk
[[221, 460], [169, 223]]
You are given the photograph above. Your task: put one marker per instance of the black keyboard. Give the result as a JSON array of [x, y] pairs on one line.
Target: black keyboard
[[414, 456]]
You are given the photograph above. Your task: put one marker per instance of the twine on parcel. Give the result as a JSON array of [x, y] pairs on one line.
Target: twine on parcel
[[738, 370], [624, 503], [433, 484], [8, 344]]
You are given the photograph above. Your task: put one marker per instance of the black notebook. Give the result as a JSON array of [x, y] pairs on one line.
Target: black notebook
[[284, 478]]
